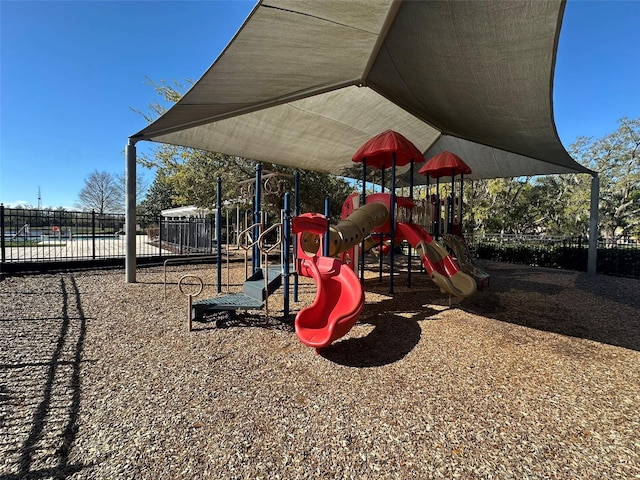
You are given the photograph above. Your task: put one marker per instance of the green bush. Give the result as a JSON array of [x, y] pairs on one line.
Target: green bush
[[621, 262]]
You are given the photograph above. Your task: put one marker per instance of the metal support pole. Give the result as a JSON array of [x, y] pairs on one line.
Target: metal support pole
[[130, 219], [255, 252], [460, 208], [451, 208], [428, 199], [296, 212], [362, 203], [2, 236], [381, 244], [437, 232], [392, 228], [286, 247], [410, 221], [219, 234], [327, 213], [592, 261]]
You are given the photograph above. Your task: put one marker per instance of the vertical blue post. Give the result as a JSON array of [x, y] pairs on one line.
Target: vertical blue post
[[380, 260], [296, 212], [362, 203], [461, 205], [430, 216], [287, 250], [255, 252], [410, 221], [392, 227], [219, 234], [437, 232], [327, 213], [452, 206], [429, 205]]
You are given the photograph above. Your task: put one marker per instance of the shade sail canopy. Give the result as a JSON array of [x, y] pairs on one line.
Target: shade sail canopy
[[306, 83], [445, 164], [381, 150]]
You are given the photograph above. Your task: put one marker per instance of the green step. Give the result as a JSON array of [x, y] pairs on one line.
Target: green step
[[254, 286], [234, 301], [252, 298]]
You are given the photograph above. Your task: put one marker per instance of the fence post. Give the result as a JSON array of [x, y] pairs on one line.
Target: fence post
[[219, 234], [93, 233], [2, 244], [160, 236], [592, 256]]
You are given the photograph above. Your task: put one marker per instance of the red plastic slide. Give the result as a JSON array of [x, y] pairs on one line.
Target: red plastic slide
[[441, 267], [339, 301]]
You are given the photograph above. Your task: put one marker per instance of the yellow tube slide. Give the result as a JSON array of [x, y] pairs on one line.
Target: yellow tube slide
[[350, 231]]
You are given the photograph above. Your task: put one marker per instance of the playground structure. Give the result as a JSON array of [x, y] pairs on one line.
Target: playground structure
[[446, 213], [332, 256]]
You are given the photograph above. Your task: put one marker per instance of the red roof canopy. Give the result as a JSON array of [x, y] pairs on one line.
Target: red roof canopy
[[445, 164], [379, 150]]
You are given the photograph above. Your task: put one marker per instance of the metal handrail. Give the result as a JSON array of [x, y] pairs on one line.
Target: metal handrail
[[244, 232], [276, 244], [265, 251], [182, 259], [241, 235]]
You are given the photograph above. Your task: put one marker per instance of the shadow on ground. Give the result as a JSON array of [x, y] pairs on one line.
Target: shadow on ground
[[600, 308], [395, 334], [40, 396]]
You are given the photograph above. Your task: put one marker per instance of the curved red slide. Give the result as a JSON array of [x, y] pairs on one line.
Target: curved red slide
[[338, 303]]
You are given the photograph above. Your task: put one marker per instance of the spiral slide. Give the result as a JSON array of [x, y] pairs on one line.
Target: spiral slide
[[338, 303], [340, 297], [435, 258]]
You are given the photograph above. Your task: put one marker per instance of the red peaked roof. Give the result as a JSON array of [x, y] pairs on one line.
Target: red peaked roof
[[379, 150], [445, 164]]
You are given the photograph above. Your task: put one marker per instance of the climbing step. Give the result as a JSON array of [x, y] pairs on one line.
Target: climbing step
[[235, 301], [254, 286], [252, 298]]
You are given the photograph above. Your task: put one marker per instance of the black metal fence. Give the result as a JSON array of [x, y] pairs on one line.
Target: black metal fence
[[37, 239], [618, 258], [45, 239], [187, 236]]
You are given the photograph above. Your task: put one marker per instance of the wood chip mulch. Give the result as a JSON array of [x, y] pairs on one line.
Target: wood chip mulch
[[535, 377]]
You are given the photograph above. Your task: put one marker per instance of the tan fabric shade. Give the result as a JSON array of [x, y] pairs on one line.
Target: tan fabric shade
[[306, 83]]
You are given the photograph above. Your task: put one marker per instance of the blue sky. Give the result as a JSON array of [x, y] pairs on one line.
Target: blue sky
[[72, 71]]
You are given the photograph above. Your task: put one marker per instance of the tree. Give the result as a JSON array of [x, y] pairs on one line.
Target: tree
[[141, 187], [160, 196], [616, 157], [560, 204], [102, 192]]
